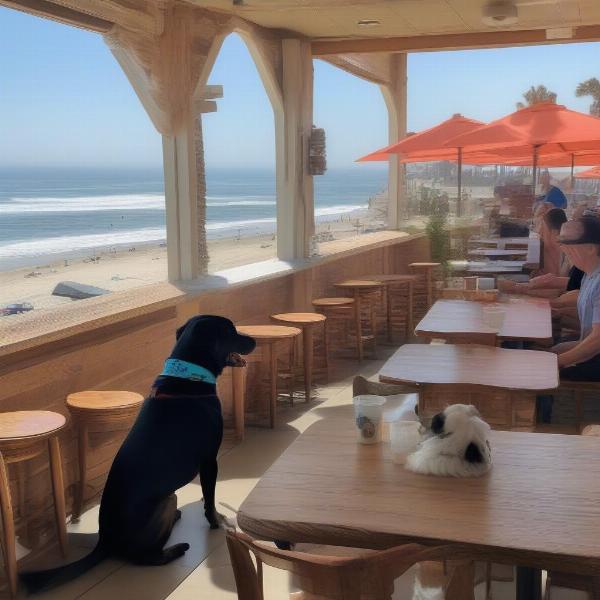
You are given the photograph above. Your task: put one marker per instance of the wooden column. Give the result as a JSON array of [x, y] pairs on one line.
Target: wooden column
[[394, 95], [295, 198]]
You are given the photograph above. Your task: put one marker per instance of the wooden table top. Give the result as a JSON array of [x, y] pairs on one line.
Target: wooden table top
[[358, 283], [332, 301], [524, 318], [268, 332], [538, 506], [472, 364], [497, 252], [103, 400], [300, 318], [29, 424], [390, 278], [491, 267]]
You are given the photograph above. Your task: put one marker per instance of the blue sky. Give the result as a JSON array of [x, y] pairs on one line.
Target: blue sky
[[65, 101]]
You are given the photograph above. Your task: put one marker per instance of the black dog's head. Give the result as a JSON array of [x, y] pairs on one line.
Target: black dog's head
[[212, 342]]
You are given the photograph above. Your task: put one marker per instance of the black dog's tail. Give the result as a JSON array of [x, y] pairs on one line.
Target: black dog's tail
[[36, 581]]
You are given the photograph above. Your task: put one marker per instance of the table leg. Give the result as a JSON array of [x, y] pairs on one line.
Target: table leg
[[410, 322], [326, 346], [529, 584], [82, 444], [308, 341], [388, 307], [359, 339], [429, 288], [58, 489], [238, 379], [273, 375]]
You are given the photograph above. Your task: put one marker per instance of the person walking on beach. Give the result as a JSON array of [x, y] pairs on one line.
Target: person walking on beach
[[550, 193]]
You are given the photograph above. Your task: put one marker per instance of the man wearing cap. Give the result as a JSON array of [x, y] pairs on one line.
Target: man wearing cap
[[580, 241]]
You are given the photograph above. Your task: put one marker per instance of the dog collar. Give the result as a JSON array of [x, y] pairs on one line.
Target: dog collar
[[186, 370]]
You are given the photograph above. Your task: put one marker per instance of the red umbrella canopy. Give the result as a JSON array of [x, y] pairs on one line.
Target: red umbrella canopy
[[551, 128], [429, 139], [589, 174]]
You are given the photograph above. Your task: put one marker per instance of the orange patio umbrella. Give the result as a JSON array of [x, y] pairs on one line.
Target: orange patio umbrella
[[544, 128], [589, 174], [431, 139]]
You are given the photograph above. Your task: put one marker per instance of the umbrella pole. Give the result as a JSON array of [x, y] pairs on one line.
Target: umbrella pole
[[572, 169], [459, 185], [535, 161]]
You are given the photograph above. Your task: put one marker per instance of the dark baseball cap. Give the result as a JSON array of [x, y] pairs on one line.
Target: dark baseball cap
[[585, 230]]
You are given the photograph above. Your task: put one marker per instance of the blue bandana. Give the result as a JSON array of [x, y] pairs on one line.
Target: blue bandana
[[185, 370]]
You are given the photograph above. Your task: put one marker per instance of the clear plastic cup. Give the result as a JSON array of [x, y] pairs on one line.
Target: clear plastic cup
[[368, 414], [404, 439], [486, 283], [493, 317]]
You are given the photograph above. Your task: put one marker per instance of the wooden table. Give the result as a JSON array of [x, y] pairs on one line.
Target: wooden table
[[537, 507], [388, 280], [269, 336], [501, 383], [307, 323], [524, 319]]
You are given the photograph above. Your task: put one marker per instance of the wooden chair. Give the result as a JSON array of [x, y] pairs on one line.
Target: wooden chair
[[23, 436], [367, 575], [94, 411]]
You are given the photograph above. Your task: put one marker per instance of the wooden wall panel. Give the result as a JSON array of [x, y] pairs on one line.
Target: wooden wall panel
[[129, 354]]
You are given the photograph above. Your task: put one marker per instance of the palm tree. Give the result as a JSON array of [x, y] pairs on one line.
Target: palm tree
[[590, 87], [535, 95]]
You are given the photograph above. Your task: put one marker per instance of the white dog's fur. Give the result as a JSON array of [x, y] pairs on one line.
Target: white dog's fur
[[459, 446]]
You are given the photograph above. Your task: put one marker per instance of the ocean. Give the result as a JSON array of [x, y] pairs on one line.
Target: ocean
[[50, 213]]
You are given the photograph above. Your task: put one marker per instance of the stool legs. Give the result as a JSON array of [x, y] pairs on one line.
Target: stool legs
[[359, 340], [82, 450], [273, 382], [238, 375], [308, 341], [8, 529], [410, 320], [58, 488]]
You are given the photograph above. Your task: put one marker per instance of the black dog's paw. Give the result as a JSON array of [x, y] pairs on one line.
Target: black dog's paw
[[214, 518]]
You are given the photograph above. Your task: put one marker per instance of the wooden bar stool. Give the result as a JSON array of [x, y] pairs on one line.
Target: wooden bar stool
[[92, 409], [363, 292], [423, 291], [307, 323], [269, 336], [23, 435], [399, 298], [334, 309]]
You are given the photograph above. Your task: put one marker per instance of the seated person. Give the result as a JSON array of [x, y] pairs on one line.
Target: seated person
[[580, 359], [551, 193]]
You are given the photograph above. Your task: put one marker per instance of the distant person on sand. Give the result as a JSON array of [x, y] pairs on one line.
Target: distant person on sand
[[550, 193]]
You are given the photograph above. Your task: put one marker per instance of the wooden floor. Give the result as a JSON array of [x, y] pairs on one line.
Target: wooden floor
[[205, 572]]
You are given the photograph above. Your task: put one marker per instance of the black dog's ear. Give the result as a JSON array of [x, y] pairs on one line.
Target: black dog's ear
[[473, 453], [437, 423], [180, 331]]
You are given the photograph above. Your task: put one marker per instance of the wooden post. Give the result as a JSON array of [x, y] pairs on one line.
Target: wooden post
[[295, 201], [394, 95]]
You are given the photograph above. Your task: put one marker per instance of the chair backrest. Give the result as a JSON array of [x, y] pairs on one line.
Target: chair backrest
[[331, 577]]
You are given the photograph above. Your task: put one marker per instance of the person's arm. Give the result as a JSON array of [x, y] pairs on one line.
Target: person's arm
[[583, 350], [564, 347], [549, 281], [566, 299]]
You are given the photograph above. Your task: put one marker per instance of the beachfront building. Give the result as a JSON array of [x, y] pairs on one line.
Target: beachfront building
[[119, 341]]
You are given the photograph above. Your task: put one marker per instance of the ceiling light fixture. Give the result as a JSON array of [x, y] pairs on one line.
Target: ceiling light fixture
[[368, 23], [500, 13]]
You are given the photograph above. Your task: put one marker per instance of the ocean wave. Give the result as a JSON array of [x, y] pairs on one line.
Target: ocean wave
[[84, 203]]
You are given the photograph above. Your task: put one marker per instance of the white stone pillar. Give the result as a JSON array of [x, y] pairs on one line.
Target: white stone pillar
[[295, 197], [394, 95]]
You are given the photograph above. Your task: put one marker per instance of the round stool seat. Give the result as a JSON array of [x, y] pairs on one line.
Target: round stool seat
[[268, 332], [591, 430], [361, 284], [333, 302], [300, 319], [95, 400], [35, 424], [391, 278]]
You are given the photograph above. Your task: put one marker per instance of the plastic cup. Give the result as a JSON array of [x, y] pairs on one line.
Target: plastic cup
[[404, 439], [368, 414], [493, 317], [486, 283]]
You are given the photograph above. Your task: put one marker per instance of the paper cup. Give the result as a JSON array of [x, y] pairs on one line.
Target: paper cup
[[493, 317], [368, 414], [404, 439]]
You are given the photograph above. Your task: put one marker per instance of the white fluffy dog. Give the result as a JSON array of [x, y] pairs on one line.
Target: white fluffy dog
[[458, 446]]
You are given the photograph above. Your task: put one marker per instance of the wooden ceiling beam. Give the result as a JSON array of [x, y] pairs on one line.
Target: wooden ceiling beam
[[96, 15], [451, 41], [371, 67], [68, 16]]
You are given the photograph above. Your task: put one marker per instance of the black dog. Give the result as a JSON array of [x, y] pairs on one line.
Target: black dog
[[176, 437]]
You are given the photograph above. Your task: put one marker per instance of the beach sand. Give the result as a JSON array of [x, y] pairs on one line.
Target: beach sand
[[125, 269]]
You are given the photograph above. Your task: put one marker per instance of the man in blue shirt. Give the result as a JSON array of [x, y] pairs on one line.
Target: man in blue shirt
[[550, 193]]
